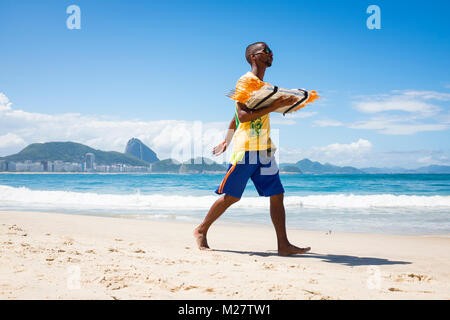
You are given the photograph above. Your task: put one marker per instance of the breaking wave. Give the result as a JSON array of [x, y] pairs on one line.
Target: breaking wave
[[22, 197]]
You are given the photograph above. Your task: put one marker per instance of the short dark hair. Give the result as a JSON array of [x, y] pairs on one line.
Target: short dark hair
[[251, 48]]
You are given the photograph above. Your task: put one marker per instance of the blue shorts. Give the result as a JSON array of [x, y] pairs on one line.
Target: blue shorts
[[255, 165]]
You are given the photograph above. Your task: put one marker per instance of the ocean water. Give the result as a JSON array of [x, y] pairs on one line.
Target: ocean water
[[383, 204]]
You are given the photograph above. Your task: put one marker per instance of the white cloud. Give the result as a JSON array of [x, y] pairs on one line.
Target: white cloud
[[170, 138], [282, 121], [397, 126], [300, 114], [167, 138], [335, 153], [359, 146], [412, 101], [420, 115], [434, 159], [396, 103], [4, 102], [11, 141], [361, 154], [328, 123], [427, 95], [288, 119]]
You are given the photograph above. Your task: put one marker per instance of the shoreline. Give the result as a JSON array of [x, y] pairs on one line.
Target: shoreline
[[118, 258], [229, 222], [105, 173], [222, 173]]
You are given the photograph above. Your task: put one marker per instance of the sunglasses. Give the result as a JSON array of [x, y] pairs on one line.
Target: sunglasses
[[266, 50]]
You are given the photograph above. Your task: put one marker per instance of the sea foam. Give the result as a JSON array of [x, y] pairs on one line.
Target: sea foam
[[22, 197]]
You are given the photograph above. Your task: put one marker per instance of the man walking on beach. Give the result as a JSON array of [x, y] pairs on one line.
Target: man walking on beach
[[252, 155]]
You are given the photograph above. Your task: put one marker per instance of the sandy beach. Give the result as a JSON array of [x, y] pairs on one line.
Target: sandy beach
[[61, 256]]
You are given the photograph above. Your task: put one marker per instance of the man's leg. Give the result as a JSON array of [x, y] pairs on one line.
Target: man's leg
[[215, 212], [278, 216]]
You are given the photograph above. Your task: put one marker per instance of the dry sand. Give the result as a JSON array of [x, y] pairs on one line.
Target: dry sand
[[61, 256]]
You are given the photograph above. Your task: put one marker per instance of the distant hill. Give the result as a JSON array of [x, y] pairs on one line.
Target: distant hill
[[166, 166], [432, 169], [393, 170], [76, 152], [314, 167], [201, 165], [198, 165], [290, 169], [138, 149], [71, 152]]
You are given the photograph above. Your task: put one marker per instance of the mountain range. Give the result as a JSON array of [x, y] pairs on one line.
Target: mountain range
[[138, 154], [138, 149], [308, 166], [71, 152], [422, 170], [313, 167]]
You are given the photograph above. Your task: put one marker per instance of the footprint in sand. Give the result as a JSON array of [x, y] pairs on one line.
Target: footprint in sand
[[70, 259], [419, 277], [68, 242], [118, 287], [15, 228], [177, 288], [317, 296], [411, 277], [183, 287], [269, 266], [190, 287]]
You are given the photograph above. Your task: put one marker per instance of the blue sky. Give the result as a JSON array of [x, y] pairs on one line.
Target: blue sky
[[385, 93]]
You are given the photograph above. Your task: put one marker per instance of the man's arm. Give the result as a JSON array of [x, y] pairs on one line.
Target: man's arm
[[231, 129], [221, 147], [245, 114]]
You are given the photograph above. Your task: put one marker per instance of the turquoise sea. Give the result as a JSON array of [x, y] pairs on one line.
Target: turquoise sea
[[386, 204]]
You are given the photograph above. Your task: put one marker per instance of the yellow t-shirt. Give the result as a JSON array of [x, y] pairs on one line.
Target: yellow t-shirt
[[254, 135], [251, 135]]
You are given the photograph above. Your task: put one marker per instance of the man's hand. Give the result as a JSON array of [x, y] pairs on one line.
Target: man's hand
[[220, 148], [245, 114], [283, 101]]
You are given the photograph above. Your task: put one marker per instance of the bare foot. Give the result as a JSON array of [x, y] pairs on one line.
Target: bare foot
[[200, 237], [291, 249]]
